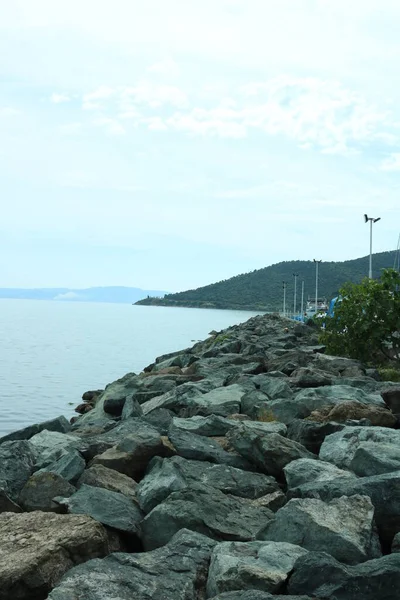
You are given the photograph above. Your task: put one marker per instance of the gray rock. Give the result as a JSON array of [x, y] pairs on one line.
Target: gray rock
[[253, 402], [320, 575], [384, 491], [110, 508], [274, 500], [206, 426], [70, 466], [51, 445], [206, 511], [37, 548], [16, 465], [263, 566], [269, 452], [160, 419], [274, 387], [40, 490], [365, 450], [306, 470], [132, 454], [197, 447], [338, 365], [254, 595], [343, 527], [168, 475], [100, 476], [311, 434], [7, 505], [177, 571], [131, 408], [309, 378], [222, 401], [391, 398], [396, 543], [59, 424], [114, 406]]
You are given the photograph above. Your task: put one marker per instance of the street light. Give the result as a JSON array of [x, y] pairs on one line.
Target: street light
[[316, 283], [284, 298], [371, 220], [302, 300], [295, 275]]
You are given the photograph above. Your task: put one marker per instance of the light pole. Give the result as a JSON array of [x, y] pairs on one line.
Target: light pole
[[302, 300], [284, 298], [295, 275], [316, 283], [371, 220]]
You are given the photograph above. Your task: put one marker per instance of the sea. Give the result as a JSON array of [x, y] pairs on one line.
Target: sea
[[52, 352]]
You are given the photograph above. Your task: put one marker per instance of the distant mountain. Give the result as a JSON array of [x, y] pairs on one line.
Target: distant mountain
[[113, 294], [263, 289]]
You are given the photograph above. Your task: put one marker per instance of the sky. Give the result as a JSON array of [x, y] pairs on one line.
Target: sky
[[168, 145]]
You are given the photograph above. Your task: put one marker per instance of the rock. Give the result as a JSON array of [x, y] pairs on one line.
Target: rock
[[309, 378], [70, 466], [320, 575], [109, 479], [263, 566], [132, 454], [49, 446], [274, 501], [59, 424], [114, 406], [343, 527], [7, 505], [274, 387], [306, 470], [168, 475], [344, 411], [41, 488], [160, 419], [92, 396], [205, 510], [221, 401], [206, 426], [269, 452], [16, 465], [177, 571], [197, 447], [110, 508], [37, 548], [338, 365], [254, 595], [365, 450], [391, 398], [131, 408], [310, 434], [384, 491], [253, 402], [396, 543]]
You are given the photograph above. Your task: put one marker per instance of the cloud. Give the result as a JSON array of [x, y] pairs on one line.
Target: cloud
[[111, 126], [59, 98], [93, 100], [166, 67], [391, 163], [8, 111]]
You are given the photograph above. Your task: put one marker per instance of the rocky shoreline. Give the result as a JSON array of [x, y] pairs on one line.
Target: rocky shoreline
[[249, 466]]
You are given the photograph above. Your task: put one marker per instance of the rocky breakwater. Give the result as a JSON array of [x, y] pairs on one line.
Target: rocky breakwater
[[249, 466]]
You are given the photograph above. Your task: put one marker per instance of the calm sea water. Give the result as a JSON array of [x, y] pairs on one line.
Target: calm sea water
[[50, 352]]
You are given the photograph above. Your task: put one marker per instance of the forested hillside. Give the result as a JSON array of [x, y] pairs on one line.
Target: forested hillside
[[263, 289]]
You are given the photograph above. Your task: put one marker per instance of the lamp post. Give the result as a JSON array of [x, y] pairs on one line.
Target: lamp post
[[316, 283], [284, 298], [302, 300], [371, 221], [295, 275]]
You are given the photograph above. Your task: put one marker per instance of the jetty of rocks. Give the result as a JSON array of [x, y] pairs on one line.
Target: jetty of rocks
[[249, 466]]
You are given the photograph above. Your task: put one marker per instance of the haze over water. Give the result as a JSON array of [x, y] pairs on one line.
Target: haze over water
[[52, 352]]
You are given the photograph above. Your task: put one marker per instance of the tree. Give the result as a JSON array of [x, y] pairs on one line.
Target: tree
[[366, 323]]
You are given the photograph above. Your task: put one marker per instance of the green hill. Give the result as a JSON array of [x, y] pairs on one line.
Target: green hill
[[263, 289]]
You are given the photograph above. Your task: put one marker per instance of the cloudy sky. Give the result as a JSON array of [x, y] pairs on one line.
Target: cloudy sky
[[172, 143]]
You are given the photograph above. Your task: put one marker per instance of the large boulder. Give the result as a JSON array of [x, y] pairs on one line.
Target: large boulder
[[269, 452], [343, 527], [16, 465], [70, 466], [197, 447], [172, 474], [254, 595], [346, 411], [132, 454], [60, 424], [177, 571], [322, 576], [222, 401], [110, 508], [205, 510], [37, 548], [384, 491], [49, 446], [365, 450], [263, 566], [109, 479], [40, 490], [306, 470], [391, 398], [311, 434]]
